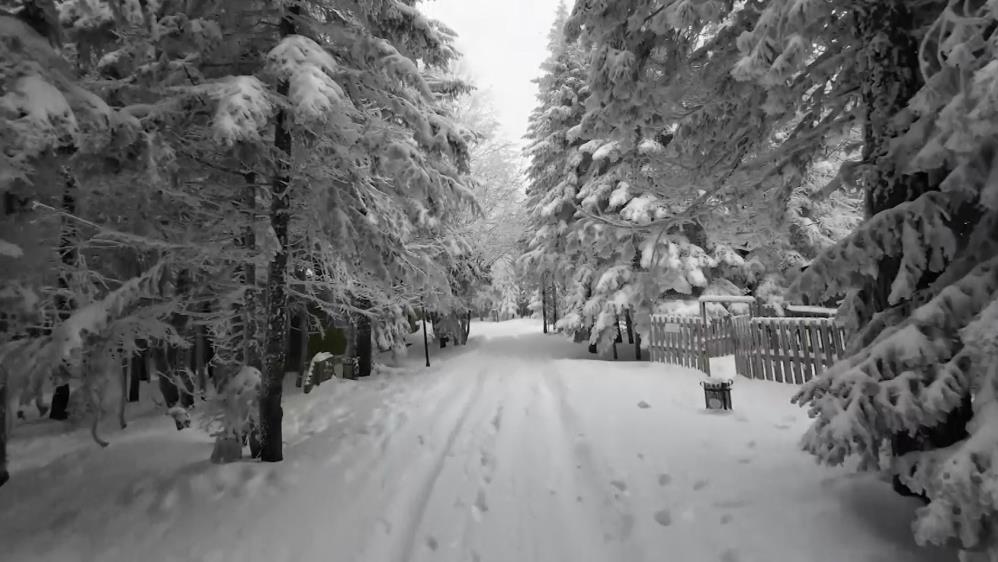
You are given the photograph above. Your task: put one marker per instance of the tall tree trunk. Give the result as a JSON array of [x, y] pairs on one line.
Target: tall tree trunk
[[891, 76], [544, 305], [426, 340], [554, 306], [251, 351], [137, 364], [252, 355], [271, 389], [635, 266], [363, 348], [629, 322], [303, 342], [70, 257], [228, 445], [199, 364], [467, 326]]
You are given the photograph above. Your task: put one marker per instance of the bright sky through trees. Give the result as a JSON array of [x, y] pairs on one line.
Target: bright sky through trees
[[503, 50]]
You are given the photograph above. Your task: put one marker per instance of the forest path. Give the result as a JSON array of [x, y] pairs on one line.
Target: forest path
[[518, 447]]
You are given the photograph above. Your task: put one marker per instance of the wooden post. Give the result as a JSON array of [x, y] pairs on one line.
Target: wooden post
[[554, 306], [137, 373], [704, 353], [426, 340], [544, 306], [629, 322], [467, 328], [303, 344]]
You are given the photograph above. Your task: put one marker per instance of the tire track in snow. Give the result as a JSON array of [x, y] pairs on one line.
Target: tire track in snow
[[414, 523], [480, 463], [617, 521]]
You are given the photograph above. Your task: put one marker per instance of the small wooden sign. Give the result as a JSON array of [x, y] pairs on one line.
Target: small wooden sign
[[672, 328]]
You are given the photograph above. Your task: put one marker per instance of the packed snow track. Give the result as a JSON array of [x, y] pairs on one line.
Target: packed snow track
[[519, 447]]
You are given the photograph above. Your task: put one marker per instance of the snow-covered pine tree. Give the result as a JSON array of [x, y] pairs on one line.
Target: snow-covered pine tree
[[407, 157], [828, 74], [166, 67], [677, 148], [54, 128], [365, 124], [919, 274], [554, 153]]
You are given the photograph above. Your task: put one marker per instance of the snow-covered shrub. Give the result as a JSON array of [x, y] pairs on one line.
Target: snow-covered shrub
[[231, 413]]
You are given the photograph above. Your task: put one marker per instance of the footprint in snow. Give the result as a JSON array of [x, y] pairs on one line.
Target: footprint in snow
[[641, 456], [664, 479], [750, 444], [745, 460], [432, 543], [700, 484], [726, 518], [497, 420], [731, 504], [619, 484], [644, 405], [781, 426], [663, 517], [480, 502], [729, 555]]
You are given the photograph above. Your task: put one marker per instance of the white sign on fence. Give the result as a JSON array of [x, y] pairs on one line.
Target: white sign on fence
[[672, 328]]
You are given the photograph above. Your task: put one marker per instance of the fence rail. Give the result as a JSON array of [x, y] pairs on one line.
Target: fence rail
[[679, 340], [791, 350], [788, 350]]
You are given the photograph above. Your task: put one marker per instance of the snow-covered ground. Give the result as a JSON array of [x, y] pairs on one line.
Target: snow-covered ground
[[519, 447]]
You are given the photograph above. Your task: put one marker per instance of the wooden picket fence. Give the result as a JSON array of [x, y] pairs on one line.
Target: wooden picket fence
[[789, 350], [679, 340], [719, 338]]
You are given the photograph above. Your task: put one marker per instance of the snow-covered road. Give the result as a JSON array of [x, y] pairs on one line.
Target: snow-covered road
[[519, 447]]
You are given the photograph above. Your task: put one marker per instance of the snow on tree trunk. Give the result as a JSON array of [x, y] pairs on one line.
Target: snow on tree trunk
[[228, 442], [891, 76], [890, 67], [630, 325], [69, 256], [271, 389], [544, 306], [251, 352], [554, 305]]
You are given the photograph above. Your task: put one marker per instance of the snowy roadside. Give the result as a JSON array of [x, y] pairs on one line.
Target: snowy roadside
[[517, 447]]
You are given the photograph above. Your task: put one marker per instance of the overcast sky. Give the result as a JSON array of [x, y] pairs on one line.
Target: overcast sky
[[504, 44]]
